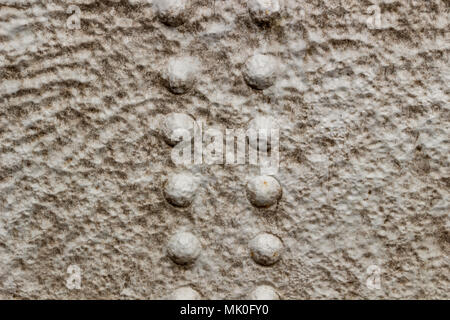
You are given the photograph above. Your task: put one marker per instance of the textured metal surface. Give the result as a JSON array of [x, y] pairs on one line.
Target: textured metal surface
[[359, 90]]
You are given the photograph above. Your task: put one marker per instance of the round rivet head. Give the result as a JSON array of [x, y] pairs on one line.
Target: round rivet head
[[260, 71], [266, 249], [180, 74], [264, 11], [264, 292], [184, 248], [180, 189], [185, 293], [263, 191], [175, 126], [261, 127], [171, 12]]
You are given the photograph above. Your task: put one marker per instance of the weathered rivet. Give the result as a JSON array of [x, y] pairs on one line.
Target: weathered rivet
[[175, 126], [183, 248], [180, 189], [185, 293], [260, 71], [263, 191], [171, 12], [180, 74], [266, 249], [264, 292]]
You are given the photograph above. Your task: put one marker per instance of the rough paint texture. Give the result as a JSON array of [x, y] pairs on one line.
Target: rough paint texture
[[364, 146]]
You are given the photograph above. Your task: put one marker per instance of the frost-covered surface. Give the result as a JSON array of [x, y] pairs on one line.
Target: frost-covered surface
[[363, 108]]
